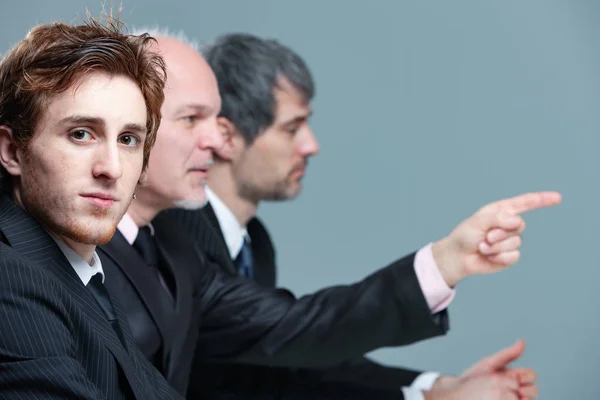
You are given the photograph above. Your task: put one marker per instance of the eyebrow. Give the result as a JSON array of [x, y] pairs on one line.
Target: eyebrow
[[86, 120], [199, 108], [298, 119]]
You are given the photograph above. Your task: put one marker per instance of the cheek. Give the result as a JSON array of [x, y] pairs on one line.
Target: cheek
[[282, 156], [132, 169], [48, 171], [171, 151]]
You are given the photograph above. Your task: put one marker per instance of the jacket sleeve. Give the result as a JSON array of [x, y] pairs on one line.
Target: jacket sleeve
[[366, 372], [246, 323]]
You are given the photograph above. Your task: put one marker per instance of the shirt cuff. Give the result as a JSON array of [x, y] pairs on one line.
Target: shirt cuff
[[410, 393], [435, 289], [425, 381]]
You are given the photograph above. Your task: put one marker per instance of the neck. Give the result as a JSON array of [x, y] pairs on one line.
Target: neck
[[145, 207], [85, 251], [222, 182]]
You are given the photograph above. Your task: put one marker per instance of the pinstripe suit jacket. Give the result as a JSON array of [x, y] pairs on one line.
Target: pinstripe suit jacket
[[55, 342]]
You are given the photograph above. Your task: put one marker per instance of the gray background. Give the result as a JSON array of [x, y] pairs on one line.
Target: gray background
[[425, 111]]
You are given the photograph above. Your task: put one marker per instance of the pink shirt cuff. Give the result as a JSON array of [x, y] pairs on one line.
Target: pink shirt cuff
[[436, 291]]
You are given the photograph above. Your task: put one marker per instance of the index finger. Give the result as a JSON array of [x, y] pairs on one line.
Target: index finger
[[525, 202]]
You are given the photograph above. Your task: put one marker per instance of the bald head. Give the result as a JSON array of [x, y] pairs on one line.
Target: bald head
[[188, 134], [188, 75]]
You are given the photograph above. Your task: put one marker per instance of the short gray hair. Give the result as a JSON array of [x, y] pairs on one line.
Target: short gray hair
[[163, 31], [248, 68]]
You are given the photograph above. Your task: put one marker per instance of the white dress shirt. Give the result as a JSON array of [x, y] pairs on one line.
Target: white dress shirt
[[235, 234], [84, 270]]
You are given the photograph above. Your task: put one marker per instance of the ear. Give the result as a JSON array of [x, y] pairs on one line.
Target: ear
[[234, 142], [9, 153], [143, 181]]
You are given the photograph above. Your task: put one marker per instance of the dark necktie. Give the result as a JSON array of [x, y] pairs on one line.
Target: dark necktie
[[145, 244], [100, 294], [244, 261]]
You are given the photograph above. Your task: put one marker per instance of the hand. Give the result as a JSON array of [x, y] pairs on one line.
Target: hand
[[494, 365], [489, 240], [488, 387]]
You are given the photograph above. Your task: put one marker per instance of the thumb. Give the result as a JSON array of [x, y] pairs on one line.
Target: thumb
[[498, 360]]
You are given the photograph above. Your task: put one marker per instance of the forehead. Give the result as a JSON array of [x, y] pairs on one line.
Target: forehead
[[289, 103], [191, 84], [114, 99]]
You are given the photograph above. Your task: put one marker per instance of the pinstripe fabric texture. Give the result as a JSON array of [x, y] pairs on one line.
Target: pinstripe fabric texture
[[55, 342]]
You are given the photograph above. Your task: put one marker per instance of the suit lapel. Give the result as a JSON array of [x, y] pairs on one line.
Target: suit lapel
[[27, 237], [264, 254], [174, 250], [135, 269], [262, 248], [212, 240]]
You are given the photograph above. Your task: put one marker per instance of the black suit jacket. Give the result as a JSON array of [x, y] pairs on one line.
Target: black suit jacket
[[148, 305], [55, 341], [129, 277], [274, 328], [361, 371]]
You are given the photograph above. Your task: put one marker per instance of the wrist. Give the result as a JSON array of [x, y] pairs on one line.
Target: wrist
[[445, 382], [447, 261]]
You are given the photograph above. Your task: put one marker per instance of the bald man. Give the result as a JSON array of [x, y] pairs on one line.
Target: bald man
[[182, 308], [175, 302]]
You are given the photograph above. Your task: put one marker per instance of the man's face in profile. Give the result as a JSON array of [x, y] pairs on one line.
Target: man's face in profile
[[188, 133], [79, 171], [272, 167]]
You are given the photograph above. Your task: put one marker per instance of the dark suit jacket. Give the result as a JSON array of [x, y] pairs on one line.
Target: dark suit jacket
[[55, 341], [362, 371], [177, 325], [274, 328], [148, 307]]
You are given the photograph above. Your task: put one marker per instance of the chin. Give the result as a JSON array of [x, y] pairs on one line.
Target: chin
[[191, 204], [95, 231], [291, 193], [93, 236]]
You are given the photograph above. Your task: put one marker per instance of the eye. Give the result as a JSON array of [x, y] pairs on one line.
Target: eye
[[293, 129], [190, 119], [129, 140], [81, 135]]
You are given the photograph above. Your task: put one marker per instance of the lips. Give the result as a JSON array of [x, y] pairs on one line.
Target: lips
[[199, 171], [299, 170], [103, 200]]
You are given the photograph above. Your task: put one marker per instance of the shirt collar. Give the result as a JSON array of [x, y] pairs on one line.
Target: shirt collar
[[84, 270], [233, 233], [129, 228]]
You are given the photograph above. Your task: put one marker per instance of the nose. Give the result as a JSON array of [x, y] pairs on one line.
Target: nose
[[209, 136], [108, 162], [308, 145]]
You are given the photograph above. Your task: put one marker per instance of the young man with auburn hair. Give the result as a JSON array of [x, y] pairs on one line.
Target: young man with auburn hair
[[79, 110]]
